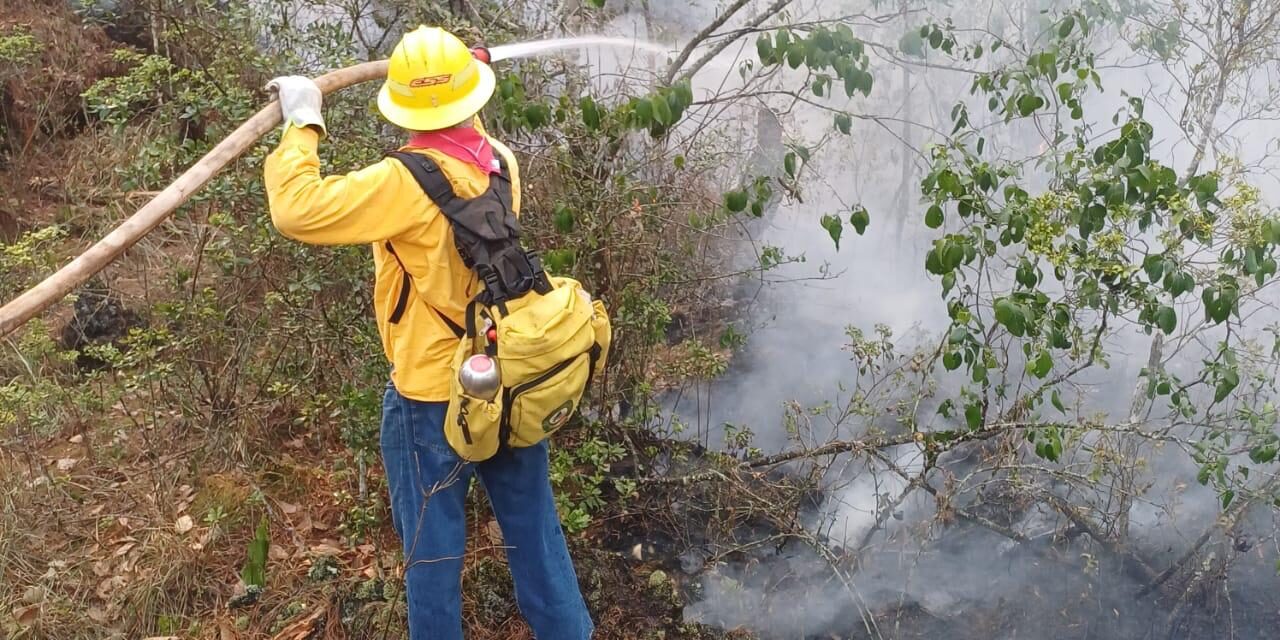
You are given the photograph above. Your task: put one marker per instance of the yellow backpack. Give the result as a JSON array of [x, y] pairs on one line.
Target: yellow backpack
[[546, 335]]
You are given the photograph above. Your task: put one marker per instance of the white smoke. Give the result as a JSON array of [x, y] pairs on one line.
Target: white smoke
[[794, 353]]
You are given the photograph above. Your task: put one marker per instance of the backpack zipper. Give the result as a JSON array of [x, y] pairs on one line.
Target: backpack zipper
[[549, 373], [509, 394]]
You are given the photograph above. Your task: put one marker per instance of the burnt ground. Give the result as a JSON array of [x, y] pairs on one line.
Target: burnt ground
[[949, 579]]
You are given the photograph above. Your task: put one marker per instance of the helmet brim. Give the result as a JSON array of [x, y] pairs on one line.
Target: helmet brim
[[443, 117]]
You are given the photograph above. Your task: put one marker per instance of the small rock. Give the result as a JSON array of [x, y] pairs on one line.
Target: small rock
[[250, 596], [323, 568], [642, 551], [33, 594]]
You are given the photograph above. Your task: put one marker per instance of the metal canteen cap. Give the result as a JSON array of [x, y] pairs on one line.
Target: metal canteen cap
[[479, 377]]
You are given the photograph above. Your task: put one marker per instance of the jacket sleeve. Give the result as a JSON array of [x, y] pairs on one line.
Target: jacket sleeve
[[360, 207]]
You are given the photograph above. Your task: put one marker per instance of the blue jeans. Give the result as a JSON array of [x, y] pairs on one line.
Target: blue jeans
[[429, 482]]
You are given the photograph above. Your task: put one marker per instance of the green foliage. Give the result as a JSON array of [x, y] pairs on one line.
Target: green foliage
[[834, 228], [580, 475], [35, 401], [732, 338], [154, 83], [115, 100], [1112, 235], [362, 517], [1047, 441], [1165, 39], [661, 111], [859, 219], [735, 201], [18, 47], [254, 572], [832, 54], [751, 198], [644, 313], [28, 257], [358, 410]]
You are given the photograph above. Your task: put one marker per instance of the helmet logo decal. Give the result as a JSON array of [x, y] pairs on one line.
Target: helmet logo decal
[[430, 81]]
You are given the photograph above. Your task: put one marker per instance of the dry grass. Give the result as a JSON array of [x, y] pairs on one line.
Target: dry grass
[[125, 546], [139, 543]]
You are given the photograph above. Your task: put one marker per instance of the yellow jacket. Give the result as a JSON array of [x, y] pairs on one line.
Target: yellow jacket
[[378, 204]]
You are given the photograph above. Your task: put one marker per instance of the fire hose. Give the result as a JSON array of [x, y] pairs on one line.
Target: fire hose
[[35, 300], [53, 288]]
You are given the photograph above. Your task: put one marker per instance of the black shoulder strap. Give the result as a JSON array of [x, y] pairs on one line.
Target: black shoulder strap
[[485, 230], [437, 186], [402, 301]]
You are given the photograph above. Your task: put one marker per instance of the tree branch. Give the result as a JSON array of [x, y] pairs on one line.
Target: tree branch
[[934, 441], [751, 25], [703, 35]]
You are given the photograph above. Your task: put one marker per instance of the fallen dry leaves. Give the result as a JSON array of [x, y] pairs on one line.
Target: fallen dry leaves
[[304, 628], [327, 548], [26, 616], [185, 495], [109, 586]]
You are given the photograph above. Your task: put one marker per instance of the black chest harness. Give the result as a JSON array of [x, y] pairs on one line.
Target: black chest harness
[[485, 232]]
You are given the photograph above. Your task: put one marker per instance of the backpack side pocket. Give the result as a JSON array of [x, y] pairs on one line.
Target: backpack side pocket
[[471, 425]]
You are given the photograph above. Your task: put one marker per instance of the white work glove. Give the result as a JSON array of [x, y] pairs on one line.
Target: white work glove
[[300, 101]]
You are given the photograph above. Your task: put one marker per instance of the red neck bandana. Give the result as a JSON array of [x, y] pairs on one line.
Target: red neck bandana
[[463, 143]]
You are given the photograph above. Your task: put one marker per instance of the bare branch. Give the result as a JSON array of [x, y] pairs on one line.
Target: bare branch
[[701, 36]]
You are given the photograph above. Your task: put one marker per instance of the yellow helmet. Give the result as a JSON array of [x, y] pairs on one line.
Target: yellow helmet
[[433, 81]]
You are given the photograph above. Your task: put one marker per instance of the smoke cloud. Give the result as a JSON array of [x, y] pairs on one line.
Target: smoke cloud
[[934, 574]]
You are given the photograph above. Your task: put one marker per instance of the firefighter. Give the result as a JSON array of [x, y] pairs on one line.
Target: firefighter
[[434, 88]]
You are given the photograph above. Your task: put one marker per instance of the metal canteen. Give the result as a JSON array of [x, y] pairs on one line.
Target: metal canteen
[[479, 377]]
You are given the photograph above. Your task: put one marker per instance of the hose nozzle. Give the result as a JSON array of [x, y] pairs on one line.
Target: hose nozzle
[[481, 54]]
